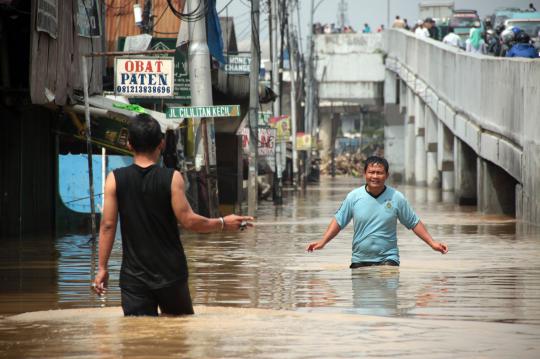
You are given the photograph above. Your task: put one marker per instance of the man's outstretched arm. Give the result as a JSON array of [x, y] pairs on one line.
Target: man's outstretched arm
[[332, 231], [107, 232], [421, 231], [194, 222]]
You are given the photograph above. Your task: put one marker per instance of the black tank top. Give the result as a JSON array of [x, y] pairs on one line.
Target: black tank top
[[152, 253]]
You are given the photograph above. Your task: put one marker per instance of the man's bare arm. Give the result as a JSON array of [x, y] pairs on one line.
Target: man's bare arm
[[332, 231], [421, 231], [107, 232], [194, 222]]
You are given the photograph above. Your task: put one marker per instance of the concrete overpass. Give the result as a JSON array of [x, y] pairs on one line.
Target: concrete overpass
[[350, 73], [468, 123]]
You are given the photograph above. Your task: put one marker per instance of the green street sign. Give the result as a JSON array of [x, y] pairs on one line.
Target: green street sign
[[204, 111]]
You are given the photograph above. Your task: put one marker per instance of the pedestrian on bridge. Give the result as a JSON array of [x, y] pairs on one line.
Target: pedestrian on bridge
[[475, 43], [398, 23], [523, 47], [375, 209], [150, 202]]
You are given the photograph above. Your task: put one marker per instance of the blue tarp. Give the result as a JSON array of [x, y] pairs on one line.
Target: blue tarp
[[213, 33]]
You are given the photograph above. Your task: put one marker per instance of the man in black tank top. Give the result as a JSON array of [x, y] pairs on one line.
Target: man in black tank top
[[151, 202]]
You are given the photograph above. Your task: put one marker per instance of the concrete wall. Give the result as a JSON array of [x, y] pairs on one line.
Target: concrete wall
[[491, 104], [349, 67]]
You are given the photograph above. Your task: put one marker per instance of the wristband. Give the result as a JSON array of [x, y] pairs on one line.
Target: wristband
[[222, 223]]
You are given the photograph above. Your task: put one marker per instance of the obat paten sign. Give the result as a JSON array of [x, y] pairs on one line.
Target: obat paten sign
[[144, 76]]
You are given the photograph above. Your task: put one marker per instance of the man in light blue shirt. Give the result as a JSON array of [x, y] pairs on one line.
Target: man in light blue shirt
[[375, 209]]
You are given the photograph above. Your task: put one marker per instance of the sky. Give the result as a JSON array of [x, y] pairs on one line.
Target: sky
[[359, 12]]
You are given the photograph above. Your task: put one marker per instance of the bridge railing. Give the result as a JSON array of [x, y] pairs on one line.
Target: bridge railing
[[500, 95]]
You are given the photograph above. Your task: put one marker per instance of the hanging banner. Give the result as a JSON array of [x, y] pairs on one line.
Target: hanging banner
[[88, 18], [267, 141], [283, 126], [245, 139], [303, 141], [47, 17], [144, 76]]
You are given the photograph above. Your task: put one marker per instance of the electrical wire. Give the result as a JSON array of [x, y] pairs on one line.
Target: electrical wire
[[159, 18], [224, 7], [196, 15]]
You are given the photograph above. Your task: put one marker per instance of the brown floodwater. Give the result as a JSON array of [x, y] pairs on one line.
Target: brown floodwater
[[258, 294]]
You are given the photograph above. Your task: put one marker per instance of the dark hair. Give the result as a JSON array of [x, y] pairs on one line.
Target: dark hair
[[144, 133], [372, 160], [450, 29], [397, 17], [523, 38]]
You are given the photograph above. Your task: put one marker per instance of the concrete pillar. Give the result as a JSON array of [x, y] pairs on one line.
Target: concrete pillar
[[433, 177], [464, 173], [402, 97], [390, 87], [325, 135], [394, 129], [410, 141], [445, 156], [496, 189], [420, 165]]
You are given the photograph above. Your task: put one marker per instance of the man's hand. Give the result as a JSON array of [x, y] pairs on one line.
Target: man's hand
[[234, 222], [440, 247], [313, 246], [101, 282]]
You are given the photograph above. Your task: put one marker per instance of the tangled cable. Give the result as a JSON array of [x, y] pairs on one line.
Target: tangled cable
[[197, 14]]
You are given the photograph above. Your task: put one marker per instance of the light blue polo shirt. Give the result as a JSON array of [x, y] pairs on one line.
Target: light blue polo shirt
[[375, 222]]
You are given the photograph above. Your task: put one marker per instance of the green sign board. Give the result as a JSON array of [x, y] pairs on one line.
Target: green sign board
[[264, 116], [204, 111], [182, 91]]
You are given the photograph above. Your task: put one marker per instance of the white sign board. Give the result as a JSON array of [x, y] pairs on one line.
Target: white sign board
[[144, 76], [267, 141], [238, 64]]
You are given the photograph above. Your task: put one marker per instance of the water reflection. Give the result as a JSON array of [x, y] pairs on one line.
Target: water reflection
[[375, 290]]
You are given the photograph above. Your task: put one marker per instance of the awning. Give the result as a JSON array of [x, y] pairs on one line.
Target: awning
[[107, 107]]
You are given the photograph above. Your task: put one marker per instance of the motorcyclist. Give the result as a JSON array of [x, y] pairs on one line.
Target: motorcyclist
[[494, 41], [523, 47], [508, 38]]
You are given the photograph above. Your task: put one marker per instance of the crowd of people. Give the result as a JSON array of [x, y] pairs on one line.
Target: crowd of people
[[487, 40], [498, 41], [318, 28]]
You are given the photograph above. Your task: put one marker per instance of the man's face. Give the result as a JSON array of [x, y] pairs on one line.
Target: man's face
[[375, 175]]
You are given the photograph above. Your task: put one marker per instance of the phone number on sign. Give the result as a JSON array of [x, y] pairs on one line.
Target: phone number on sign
[[142, 89]]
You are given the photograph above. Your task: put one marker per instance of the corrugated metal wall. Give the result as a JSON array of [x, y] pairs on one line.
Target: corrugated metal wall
[[55, 64], [120, 20], [27, 172]]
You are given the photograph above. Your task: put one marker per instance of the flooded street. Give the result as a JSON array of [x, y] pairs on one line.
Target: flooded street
[[258, 294]]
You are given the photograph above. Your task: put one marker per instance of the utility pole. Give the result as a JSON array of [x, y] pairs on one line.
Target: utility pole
[[278, 174], [201, 95], [291, 39], [271, 42], [342, 14], [308, 103], [148, 19], [387, 14], [253, 109]]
